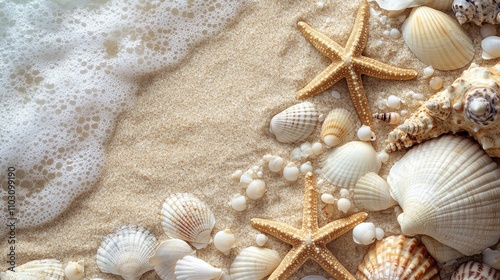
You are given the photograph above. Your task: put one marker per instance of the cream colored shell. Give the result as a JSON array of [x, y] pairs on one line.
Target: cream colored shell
[[192, 268], [475, 271], [397, 257], [126, 252], [439, 251], [186, 217], [448, 190], [337, 128], [372, 193], [75, 270], [254, 263], [166, 256], [396, 5], [47, 269], [295, 123], [436, 39]]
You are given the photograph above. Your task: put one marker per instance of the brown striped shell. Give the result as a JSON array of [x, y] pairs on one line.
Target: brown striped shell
[[295, 123], [475, 271]]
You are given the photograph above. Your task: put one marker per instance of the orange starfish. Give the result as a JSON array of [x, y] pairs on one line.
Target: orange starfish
[[349, 63], [310, 241]]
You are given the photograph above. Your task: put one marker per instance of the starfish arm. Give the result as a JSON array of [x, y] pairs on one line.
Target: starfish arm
[[359, 34], [282, 231], [358, 97], [295, 258], [329, 262], [310, 205], [331, 75], [337, 228], [377, 69], [320, 41]]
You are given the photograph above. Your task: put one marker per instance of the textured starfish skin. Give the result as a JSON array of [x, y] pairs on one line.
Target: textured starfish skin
[[349, 63], [310, 241]]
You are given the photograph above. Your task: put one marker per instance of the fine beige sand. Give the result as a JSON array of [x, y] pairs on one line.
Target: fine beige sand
[[194, 125]]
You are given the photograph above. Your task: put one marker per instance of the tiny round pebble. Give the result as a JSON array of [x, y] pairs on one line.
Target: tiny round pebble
[[256, 189], [335, 94], [488, 30], [328, 198], [386, 32], [393, 101], [344, 204], [366, 134], [395, 33], [276, 164], [239, 202], [261, 239], [436, 83], [428, 71], [291, 172]]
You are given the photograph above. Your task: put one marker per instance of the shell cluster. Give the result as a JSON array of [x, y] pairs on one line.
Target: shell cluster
[[471, 103], [295, 123], [477, 11]]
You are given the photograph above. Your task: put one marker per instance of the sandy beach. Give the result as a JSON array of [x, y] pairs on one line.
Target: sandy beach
[[194, 125]]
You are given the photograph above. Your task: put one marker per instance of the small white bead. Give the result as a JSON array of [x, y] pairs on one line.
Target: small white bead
[[291, 172], [306, 167], [328, 198], [394, 33], [224, 240], [237, 174], [261, 239], [403, 113], [344, 192], [335, 94], [379, 233], [393, 101], [239, 202], [386, 33], [276, 164], [296, 153], [383, 19], [436, 83], [343, 204], [256, 189], [428, 71], [317, 148], [366, 134]]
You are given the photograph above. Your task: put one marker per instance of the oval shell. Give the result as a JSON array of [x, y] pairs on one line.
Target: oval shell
[[166, 256], [186, 217], [475, 271], [397, 257], [372, 193], [295, 123], [126, 252], [337, 128], [224, 240], [437, 39], [344, 165], [192, 268], [254, 263], [448, 190], [75, 270], [491, 47], [48, 269]]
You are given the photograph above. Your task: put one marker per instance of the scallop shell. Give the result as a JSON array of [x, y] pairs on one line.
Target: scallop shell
[[396, 5], [186, 217], [126, 252], [254, 263], [337, 128], [192, 268], [491, 258], [448, 190], [439, 251], [477, 11], [344, 165], [166, 256], [75, 270], [397, 257], [295, 123], [436, 39], [47, 269], [371, 193], [475, 271]]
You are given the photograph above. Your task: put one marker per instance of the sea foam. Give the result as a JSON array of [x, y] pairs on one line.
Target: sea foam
[[68, 69]]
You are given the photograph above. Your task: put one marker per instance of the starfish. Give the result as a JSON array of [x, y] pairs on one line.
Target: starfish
[[310, 241], [349, 63]]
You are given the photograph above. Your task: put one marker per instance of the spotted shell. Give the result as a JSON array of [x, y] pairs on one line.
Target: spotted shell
[[475, 271], [186, 217], [397, 257], [295, 123], [337, 128], [471, 103], [48, 269], [477, 11], [126, 252]]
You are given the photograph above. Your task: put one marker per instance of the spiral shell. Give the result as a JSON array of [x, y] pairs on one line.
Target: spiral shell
[[397, 257], [254, 263], [295, 123], [337, 127], [186, 217], [166, 256], [477, 11], [390, 117], [48, 269], [371, 193], [126, 252], [475, 271]]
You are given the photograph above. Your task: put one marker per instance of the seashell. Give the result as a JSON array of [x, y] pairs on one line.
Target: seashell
[[126, 252], [224, 240], [188, 218], [492, 258], [75, 270], [166, 256], [254, 263], [192, 268], [366, 134], [436, 39], [47, 269], [344, 165], [337, 128], [366, 233], [475, 271], [471, 103], [295, 123], [390, 117], [397, 5], [371, 193], [397, 257], [491, 47], [448, 190], [477, 11], [439, 251]]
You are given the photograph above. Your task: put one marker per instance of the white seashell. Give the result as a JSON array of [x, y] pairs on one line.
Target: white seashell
[[344, 165], [428, 71], [239, 202], [291, 172], [261, 239], [397, 5], [379, 233], [343, 204], [393, 102], [224, 240], [47, 269], [439, 251], [475, 271], [276, 164], [448, 190], [391, 117], [366, 134], [246, 178], [317, 148], [364, 233], [490, 47], [186, 217], [337, 128], [328, 198], [254, 263], [436, 83], [256, 189], [166, 256], [372, 193], [306, 167], [295, 123], [126, 252], [492, 258], [192, 268], [436, 39], [75, 270], [397, 257]]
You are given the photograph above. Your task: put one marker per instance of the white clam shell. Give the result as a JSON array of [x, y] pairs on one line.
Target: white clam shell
[[224, 240], [491, 47], [166, 256], [47, 269], [396, 5], [186, 217], [344, 165], [295, 123], [192, 268], [448, 190], [372, 193], [492, 258], [439, 251], [337, 128], [254, 263], [437, 39], [475, 271], [75, 270], [126, 252]]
